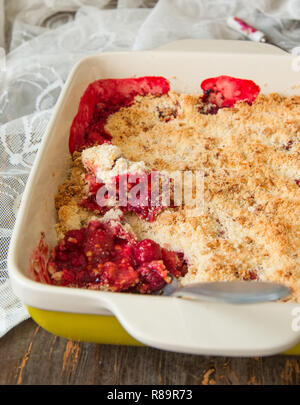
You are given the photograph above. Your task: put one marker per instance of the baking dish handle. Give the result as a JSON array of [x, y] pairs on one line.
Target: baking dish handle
[[218, 329], [222, 46]]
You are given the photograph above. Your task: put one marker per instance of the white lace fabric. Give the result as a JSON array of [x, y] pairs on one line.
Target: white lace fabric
[[43, 40]]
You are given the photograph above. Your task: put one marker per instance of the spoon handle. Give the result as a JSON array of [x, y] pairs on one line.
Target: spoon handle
[[235, 292]]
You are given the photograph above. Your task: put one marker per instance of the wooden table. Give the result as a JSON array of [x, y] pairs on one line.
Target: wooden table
[[30, 355]]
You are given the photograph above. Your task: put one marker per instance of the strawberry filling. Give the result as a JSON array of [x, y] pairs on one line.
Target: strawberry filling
[[225, 91], [106, 255], [105, 97]]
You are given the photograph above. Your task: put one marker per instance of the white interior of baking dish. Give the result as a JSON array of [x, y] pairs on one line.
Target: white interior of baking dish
[[163, 322]]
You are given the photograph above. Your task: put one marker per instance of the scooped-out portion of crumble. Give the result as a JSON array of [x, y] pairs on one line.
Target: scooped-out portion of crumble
[[106, 255], [245, 146]]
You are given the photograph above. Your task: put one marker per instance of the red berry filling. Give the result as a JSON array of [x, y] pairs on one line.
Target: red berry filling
[[145, 204], [105, 97], [146, 251], [153, 276], [225, 91], [38, 262], [252, 275], [175, 262], [90, 202], [105, 255], [140, 198], [288, 145]]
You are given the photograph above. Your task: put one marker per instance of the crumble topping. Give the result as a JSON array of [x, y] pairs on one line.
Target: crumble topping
[[106, 162], [100, 158]]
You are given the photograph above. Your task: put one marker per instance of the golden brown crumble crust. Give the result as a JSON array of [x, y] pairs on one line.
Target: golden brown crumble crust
[[250, 157], [70, 194]]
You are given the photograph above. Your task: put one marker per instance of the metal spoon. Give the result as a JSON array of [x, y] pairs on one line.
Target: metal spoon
[[233, 292]]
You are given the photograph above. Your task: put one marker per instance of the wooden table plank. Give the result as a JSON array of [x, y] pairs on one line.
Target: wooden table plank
[[30, 355]]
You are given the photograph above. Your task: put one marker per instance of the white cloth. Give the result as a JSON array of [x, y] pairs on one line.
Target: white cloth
[[44, 39]]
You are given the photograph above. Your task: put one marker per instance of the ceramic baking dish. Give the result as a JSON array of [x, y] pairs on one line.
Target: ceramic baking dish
[[163, 322]]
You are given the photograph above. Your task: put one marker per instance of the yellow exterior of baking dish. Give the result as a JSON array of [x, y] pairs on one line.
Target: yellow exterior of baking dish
[[83, 327], [92, 328]]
